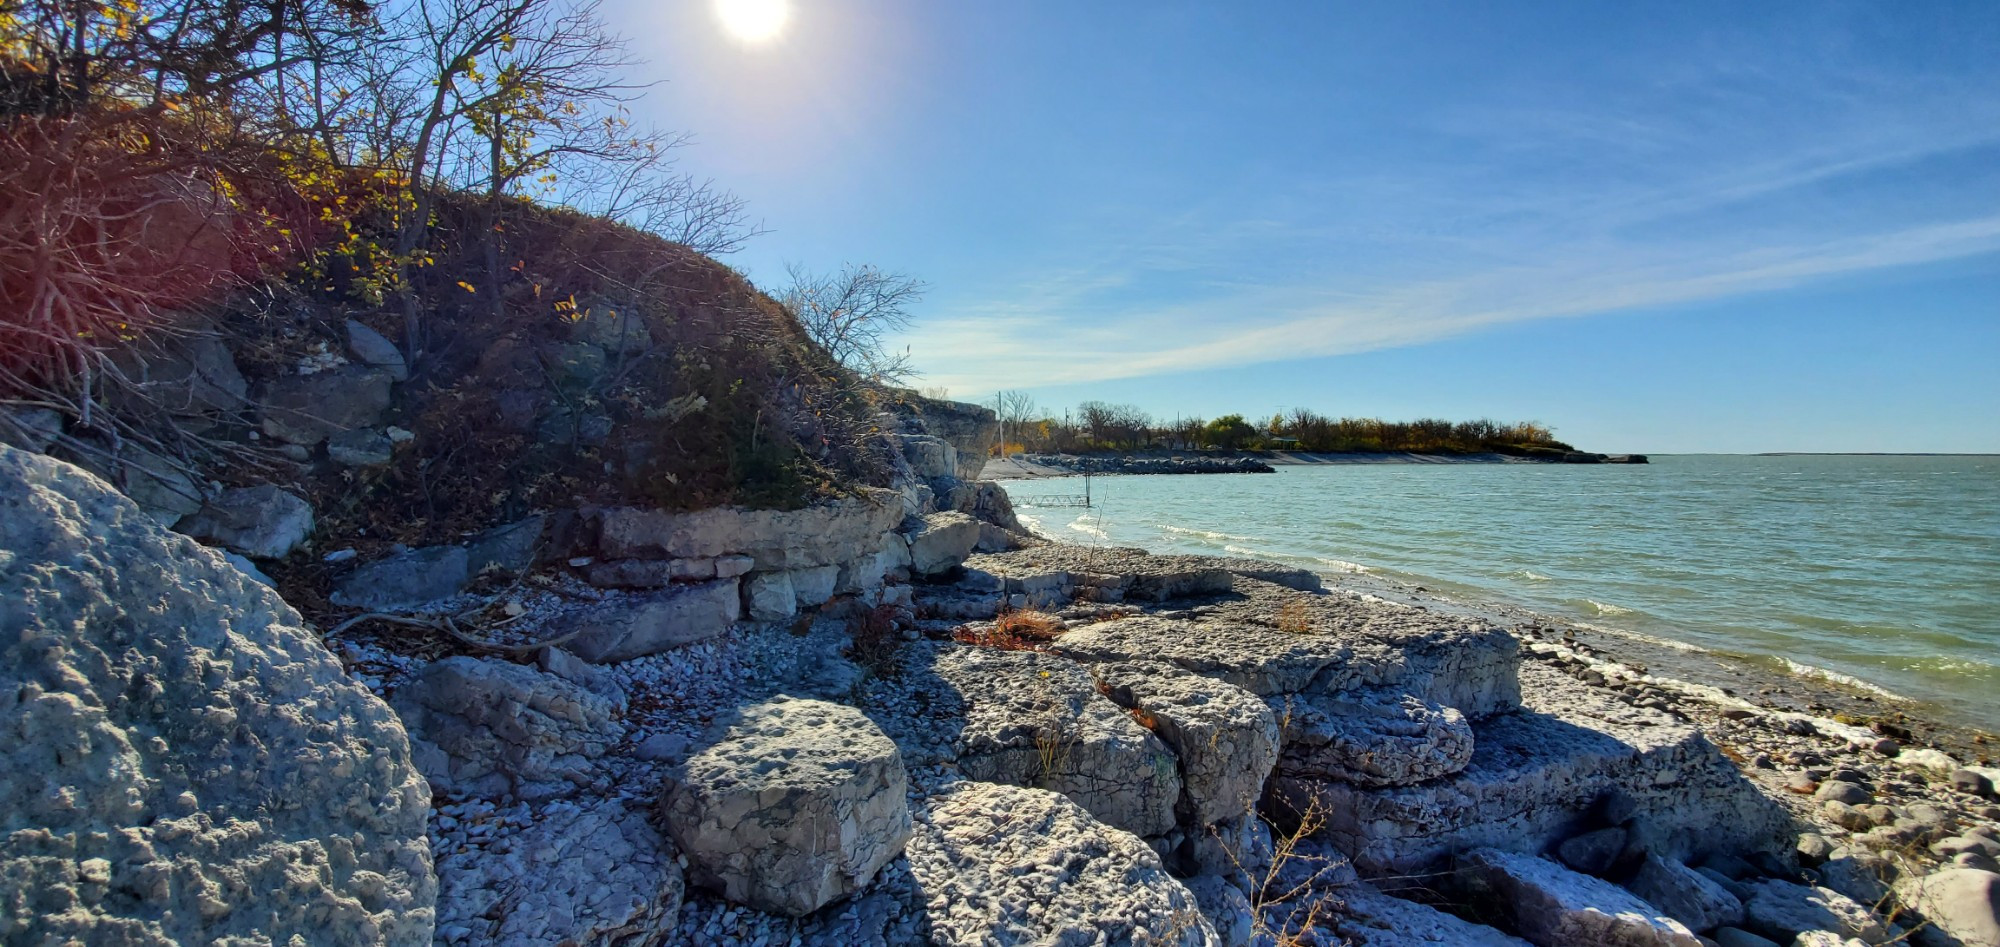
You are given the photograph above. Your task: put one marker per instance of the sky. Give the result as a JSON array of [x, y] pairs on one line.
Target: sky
[[1656, 227]]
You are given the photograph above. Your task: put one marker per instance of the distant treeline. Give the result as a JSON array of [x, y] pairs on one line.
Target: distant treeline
[[1096, 425]]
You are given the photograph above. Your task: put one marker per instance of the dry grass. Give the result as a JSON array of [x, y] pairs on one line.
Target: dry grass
[[1283, 910], [877, 642], [1023, 630], [1295, 616]]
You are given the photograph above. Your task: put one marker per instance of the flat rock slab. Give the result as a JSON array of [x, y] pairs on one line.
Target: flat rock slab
[[1784, 910], [1365, 915], [1452, 663], [1553, 906], [594, 874], [1034, 719], [790, 805], [1533, 776], [1685, 895], [634, 625], [181, 761], [1011, 865], [496, 729]]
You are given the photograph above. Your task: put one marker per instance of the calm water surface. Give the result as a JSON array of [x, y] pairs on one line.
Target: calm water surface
[[1883, 570]]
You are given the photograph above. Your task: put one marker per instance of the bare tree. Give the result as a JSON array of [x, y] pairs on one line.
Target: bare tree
[[852, 313]]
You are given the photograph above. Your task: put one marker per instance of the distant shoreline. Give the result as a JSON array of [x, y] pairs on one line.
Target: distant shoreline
[[1039, 466]]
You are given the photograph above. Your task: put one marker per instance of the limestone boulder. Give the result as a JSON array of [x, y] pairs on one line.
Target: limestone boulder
[[1685, 894], [262, 522], [1034, 719], [1364, 915], [769, 596], [1012, 865], [405, 579], [930, 458], [34, 429], [495, 729], [623, 627], [1784, 910], [1556, 907], [790, 805], [373, 349], [1224, 736], [824, 534], [598, 873], [308, 409], [1264, 661], [182, 761], [1961, 903], [1372, 738], [942, 542]]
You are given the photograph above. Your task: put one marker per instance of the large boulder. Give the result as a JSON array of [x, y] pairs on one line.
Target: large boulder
[[592, 874], [941, 542], [262, 522], [1372, 738], [1034, 719], [1556, 907], [495, 729], [1009, 865], [1961, 903], [183, 761], [790, 805], [1225, 737], [930, 458], [630, 626]]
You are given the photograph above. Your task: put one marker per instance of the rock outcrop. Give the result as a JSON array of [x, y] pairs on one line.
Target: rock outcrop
[[790, 805], [184, 762], [1555, 907], [1010, 865]]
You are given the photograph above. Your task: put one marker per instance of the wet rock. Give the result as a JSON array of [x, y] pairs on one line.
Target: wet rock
[[595, 874], [183, 761], [1011, 865], [1225, 737], [1685, 894], [1784, 910], [635, 625], [1034, 719], [942, 542], [262, 522], [496, 729], [1373, 738], [790, 805], [1555, 907], [405, 579]]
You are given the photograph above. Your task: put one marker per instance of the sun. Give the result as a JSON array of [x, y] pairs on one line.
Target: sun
[[753, 21]]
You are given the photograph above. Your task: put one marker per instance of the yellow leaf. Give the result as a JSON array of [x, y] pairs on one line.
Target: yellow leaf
[[466, 286]]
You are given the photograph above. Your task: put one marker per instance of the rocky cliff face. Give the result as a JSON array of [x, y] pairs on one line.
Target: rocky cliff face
[[184, 763]]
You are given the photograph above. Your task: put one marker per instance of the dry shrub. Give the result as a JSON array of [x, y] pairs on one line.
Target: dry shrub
[[1295, 616], [110, 220], [877, 642], [1023, 630]]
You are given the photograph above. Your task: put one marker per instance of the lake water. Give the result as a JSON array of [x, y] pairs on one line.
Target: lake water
[[1882, 570]]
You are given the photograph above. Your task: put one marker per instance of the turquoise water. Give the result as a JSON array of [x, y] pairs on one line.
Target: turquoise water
[[1885, 570]]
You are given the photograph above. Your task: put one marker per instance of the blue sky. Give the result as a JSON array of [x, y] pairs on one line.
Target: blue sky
[[1658, 227]]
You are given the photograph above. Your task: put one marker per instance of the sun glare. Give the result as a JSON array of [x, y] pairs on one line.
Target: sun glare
[[753, 21]]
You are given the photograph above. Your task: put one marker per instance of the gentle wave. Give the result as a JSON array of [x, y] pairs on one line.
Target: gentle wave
[[1808, 671], [1531, 575], [1342, 565], [1208, 534], [1605, 608]]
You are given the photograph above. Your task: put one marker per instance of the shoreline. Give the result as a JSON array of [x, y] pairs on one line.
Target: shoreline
[[1741, 677]]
